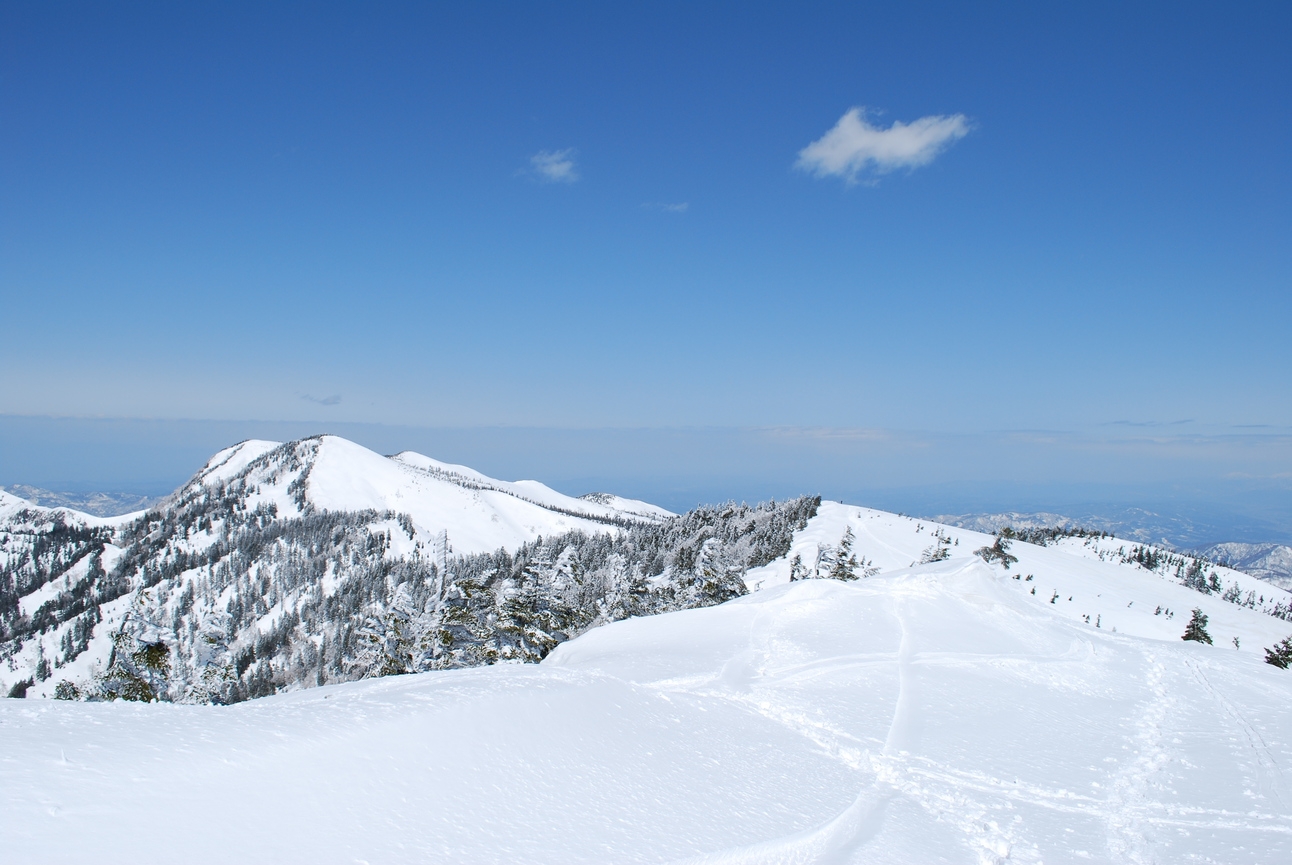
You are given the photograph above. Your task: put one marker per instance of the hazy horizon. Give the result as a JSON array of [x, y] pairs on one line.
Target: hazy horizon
[[679, 468]]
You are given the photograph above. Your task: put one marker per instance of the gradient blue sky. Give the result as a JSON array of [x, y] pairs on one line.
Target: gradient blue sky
[[327, 215]]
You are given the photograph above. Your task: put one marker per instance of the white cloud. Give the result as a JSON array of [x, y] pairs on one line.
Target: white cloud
[[854, 145], [680, 207], [555, 166]]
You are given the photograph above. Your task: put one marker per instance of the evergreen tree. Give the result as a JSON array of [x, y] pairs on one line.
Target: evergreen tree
[[65, 690], [1196, 630], [1195, 579], [1280, 654], [389, 638], [715, 579], [999, 551], [939, 551], [845, 561], [233, 601], [138, 671]]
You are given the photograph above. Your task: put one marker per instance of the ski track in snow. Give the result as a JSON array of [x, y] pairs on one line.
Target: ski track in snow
[[939, 792], [985, 817], [835, 840], [1129, 811], [1270, 775]]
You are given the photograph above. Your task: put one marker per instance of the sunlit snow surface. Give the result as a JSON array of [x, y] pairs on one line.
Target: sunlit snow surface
[[935, 714]]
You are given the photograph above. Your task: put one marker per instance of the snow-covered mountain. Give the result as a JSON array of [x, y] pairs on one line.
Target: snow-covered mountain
[[228, 563], [480, 514], [952, 711], [1270, 562]]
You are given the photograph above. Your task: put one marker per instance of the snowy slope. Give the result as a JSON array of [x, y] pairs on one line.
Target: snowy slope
[[479, 513], [930, 714], [1075, 578]]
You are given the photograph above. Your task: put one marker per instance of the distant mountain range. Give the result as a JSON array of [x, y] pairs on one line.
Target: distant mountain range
[[99, 504], [1269, 562]]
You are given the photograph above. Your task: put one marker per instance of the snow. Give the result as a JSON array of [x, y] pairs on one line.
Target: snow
[[11, 506], [436, 501], [1118, 596], [627, 506], [230, 462], [929, 714], [597, 504], [953, 711], [347, 476], [479, 513], [1270, 562]]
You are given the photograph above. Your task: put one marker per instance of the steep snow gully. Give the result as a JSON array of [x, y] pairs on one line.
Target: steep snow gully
[[929, 714]]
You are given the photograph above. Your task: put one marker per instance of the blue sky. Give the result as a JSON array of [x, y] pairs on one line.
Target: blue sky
[[597, 217]]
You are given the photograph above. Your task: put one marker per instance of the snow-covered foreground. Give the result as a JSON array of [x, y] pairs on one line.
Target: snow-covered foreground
[[930, 714]]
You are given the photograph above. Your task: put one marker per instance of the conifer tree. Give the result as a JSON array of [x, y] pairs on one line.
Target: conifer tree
[[939, 551], [999, 551], [845, 561], [1196, 630], [1195, 579], [1280, 654]]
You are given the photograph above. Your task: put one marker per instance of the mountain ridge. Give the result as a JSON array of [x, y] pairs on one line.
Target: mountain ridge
[[287, 565]]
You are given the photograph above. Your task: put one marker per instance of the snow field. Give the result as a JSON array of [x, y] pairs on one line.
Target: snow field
[[1119, 597], [931, 714]]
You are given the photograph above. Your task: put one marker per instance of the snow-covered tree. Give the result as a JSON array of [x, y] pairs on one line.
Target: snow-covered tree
[[234, 601], [389, 637], [845, 560], [797, 571], [939, 551]]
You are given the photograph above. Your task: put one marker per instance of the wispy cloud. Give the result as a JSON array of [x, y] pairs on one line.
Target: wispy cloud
[[831, 433], [334, 399], [680, 207], [555, 166], [855, 146], [1148, 422]]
